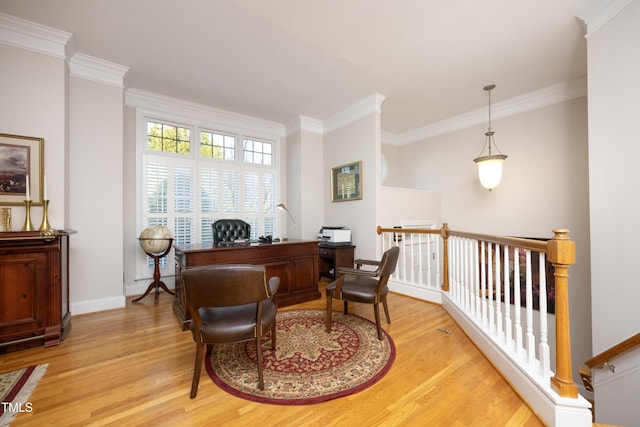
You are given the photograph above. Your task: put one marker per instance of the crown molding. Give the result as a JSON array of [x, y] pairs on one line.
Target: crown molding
[[173, 108], [389, 138], [98, 70], [598, 12], [544, 97], [34, 37], [304, 123], [369, 105]]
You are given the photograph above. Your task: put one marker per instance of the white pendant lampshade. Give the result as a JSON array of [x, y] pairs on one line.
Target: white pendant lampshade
[[490, 170], [489, 164]]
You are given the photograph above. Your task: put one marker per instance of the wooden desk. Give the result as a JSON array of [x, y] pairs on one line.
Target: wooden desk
[[294, 261]]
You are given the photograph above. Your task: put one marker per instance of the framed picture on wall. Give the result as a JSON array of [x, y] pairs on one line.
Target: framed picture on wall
[[21, 169], [346, 182]]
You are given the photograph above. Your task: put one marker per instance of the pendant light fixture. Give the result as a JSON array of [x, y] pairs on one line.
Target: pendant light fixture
[[490, 164]]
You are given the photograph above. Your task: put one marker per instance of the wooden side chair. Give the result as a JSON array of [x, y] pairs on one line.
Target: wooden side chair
[[230, 303], [364, 286]]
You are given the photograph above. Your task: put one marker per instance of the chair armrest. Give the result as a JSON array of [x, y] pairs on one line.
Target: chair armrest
[[274, 284], [356, 272], [366, 262], [360, 262]]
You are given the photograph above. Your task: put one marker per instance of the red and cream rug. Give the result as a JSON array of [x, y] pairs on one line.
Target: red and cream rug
[[309, 365], [15, 389]]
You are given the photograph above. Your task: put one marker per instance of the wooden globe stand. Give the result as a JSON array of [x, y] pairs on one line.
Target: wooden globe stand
[[157, 283]]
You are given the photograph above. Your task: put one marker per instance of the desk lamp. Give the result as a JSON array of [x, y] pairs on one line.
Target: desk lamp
[[282, 207]]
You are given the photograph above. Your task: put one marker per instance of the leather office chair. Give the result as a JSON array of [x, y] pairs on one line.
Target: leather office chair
[[364, 286], [228, 230], [230, 303]]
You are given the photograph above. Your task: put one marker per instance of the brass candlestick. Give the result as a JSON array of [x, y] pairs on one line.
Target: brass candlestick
[[27, 221], [45, 216]]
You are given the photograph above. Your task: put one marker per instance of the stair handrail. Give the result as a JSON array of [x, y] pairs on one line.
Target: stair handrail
[[615, 351]]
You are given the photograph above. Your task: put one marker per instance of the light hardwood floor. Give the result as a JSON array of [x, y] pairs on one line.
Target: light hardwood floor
[[133, 366]]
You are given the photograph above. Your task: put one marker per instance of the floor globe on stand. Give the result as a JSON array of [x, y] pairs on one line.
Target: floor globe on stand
[[156, 242]]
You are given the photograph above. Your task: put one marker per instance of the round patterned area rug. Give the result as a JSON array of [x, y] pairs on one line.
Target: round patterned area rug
[[309, 365]]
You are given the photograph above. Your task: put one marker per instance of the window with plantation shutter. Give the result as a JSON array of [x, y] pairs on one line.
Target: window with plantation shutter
[[230, 192], [270, 190], [189, 183]]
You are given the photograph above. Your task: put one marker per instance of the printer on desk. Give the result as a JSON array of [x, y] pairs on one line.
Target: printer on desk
[[334, 236]]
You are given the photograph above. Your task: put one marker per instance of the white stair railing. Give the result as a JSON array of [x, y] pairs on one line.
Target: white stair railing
[[501, 291]]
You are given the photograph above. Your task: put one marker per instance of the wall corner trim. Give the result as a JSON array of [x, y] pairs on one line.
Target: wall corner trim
[[597, 13], [304, 123], [98, 70], [369, 105]]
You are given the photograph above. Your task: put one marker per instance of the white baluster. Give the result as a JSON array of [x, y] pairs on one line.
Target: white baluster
[[508, 327], [545, 368], [412, 255], [498, 295], [477, 287], [531, 350], [519, 345], [483, 283], [490, 287], [468, 277]]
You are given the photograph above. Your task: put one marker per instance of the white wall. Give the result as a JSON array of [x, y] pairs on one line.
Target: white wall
[[391, 152], [96, 203], [350, 143], [33, 88], [80, 120], [130, 244], [614, 110], [304, 187], [398, 204], [544, 186]]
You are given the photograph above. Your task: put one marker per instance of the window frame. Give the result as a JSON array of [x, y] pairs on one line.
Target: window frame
[[143, 268]]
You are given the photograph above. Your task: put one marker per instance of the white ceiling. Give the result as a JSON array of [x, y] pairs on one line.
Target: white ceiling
[[279, 59]]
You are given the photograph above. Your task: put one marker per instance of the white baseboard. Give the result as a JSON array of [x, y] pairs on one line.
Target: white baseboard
[[415, 292], [140, 286], [91, 306], [83, 307]]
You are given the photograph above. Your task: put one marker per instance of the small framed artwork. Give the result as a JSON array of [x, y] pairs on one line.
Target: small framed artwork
[[346, 182], [21, 170]]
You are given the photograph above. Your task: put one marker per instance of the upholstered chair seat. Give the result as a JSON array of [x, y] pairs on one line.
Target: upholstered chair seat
[[229, 324]]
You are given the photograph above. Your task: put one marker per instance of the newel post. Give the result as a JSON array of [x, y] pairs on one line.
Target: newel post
[[562, 253], [444, 232]]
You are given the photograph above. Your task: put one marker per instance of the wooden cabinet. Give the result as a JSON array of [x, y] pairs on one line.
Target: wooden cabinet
[[294, 261], [34, 290], [333, 257]]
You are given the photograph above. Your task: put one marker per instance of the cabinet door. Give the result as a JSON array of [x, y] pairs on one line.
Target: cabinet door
[[304, 274], [326, 262], [23, 295], [282, 270]]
